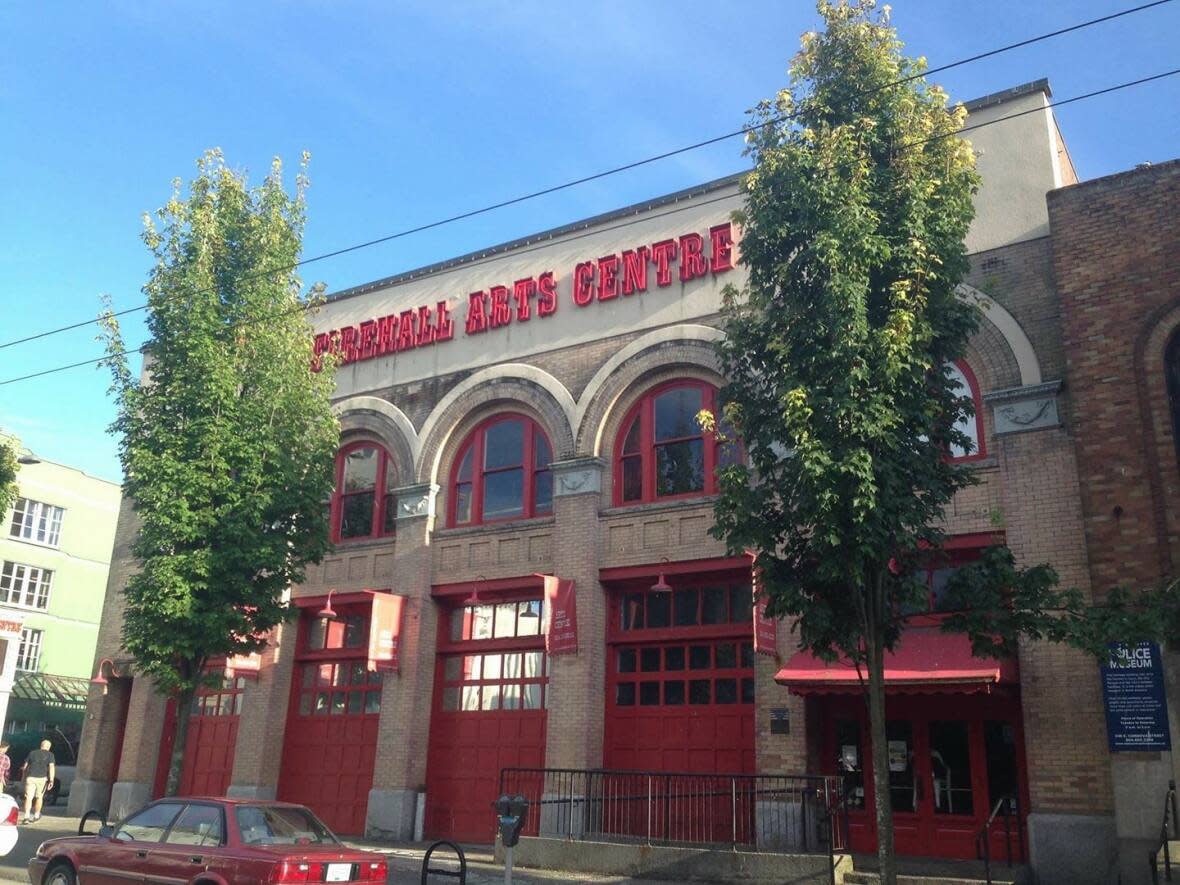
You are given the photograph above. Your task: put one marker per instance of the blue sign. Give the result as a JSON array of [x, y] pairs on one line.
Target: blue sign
[[1133, 694]]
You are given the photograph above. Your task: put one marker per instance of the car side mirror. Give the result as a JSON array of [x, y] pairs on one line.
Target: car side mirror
[[106, 832]]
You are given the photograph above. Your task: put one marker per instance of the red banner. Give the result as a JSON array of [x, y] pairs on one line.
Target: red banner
[[561, 617], [385, 631], [765, 628]]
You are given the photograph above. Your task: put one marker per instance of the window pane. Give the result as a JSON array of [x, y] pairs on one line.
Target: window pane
[[726, 691], [305, 704], [481, 626], [541, 453], [528, 618], [464, 474], [356, 701], [632, 478], [726, 656], [338, 701], [680, 467], [471, 667], [460, 624], [491, 698], [511, 697], [950, 761], [355, 631], [938, 582], [491, 666], [503, 494], [463, 502], [534, 661], [747, 691], [543, 492], [360, 470], [674, 658], [321, 703], [631, 442], [530, 696], [902, 794], [505, 625], [685, 608], [389, 520], [633, 611], [503, 445], [747, 654], [149, 825], [649, 660], [356, 515], [511, 668], [714, 603], [698, 657], [470, 697], [372, 702], [625, 694], [699, 691], [649, 694], [452, 671], [676, 413], [309, 674], [999, 743], [674, 693], [659, 610], [450, 700], [741, 603], [967, 424], [626, 660]]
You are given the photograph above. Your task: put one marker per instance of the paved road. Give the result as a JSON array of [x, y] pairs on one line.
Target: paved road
[[405, 861]]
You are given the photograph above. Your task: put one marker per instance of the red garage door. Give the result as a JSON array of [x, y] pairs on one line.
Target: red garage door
[[489, 713], [680, 681], [212, 735], [331, 739]]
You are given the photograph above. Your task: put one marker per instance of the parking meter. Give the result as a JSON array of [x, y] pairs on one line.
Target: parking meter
[[510, 814]]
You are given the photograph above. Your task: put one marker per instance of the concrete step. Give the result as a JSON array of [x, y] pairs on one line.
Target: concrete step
[[929, 877]]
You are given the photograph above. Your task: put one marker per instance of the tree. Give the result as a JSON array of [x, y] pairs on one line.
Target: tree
[[8, 470], [227, 442], [836, 353]]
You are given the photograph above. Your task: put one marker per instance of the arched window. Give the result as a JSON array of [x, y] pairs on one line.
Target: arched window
[[971, 426], [1172, 373], [662, 452], [364, 505], [502, 472]]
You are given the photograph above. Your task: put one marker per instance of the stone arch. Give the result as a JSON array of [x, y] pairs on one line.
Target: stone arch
[[675, 351], [374, 418], [509, 387], [1028, 366]]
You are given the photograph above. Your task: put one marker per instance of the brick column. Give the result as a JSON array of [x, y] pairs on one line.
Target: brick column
[[399, 777], [1071, 824], [577, 682], [98, 747], [263, 720], [141, 749]]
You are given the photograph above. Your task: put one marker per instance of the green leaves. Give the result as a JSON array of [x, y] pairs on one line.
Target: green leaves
[[8, 471], [227, 443]]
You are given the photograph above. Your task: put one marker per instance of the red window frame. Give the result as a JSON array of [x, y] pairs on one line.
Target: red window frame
[[382, 500], [474, 445], [335, 654], [972, 382], [644, 412]]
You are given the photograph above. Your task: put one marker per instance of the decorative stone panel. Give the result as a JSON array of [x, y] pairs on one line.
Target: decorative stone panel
[[577, 476], [642, 534], [416, 501], [493, 551], [1018, 409]]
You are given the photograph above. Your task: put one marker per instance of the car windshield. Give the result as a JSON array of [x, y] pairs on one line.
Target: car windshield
[[281, 825]]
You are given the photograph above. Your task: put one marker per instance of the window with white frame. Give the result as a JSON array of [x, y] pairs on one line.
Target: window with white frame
[[36, 521], [25, 585], [28, 656]]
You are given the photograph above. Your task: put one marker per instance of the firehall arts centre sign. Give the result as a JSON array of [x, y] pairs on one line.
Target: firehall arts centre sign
[[618, 275]]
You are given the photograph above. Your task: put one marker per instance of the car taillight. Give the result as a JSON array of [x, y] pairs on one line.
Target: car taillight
[[372, 871], [13, 816], [293, 871]]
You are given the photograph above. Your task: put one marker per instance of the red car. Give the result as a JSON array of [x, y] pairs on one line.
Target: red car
[[207, 842]]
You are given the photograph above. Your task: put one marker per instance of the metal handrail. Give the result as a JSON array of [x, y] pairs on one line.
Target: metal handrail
[[983, 840], [1170, 821]]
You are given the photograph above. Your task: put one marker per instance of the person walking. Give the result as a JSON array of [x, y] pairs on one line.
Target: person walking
[[39, 771], [5, 765]]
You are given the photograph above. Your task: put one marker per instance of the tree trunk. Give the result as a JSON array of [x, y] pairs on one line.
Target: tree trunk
[[879, 749], [184, 711]]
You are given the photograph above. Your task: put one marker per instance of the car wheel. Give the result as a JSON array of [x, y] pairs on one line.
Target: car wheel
[[60, 874]]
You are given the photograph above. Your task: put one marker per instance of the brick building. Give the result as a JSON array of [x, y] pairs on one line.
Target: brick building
[[542, 426]]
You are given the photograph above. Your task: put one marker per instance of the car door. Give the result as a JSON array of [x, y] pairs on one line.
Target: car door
[[124, 858], [194, 843]]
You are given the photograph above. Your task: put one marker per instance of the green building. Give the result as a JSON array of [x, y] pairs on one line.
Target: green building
[[55, 551]]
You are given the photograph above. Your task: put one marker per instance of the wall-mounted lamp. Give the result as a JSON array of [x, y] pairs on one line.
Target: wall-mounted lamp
[[474, 599], [327, 613], [99, 678], [661, 586]]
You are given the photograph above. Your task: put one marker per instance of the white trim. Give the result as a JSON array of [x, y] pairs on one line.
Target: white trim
[[1006, 325], [682, 332], [382, 407], [503, 372]]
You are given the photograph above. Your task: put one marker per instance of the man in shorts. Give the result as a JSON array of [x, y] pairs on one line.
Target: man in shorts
[[40, 769]]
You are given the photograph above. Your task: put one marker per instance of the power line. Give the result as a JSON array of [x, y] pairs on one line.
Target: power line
[[626, 167], [905, 146]]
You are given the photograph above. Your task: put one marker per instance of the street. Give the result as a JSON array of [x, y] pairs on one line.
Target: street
[[405, 861]]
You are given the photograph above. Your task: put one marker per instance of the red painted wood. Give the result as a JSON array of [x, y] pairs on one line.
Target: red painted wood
[[209, 755]]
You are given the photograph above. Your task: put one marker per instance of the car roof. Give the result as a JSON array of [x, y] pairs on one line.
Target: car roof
[[236, 802]]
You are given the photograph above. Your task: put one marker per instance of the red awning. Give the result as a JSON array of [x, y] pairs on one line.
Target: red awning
[[926, 660]]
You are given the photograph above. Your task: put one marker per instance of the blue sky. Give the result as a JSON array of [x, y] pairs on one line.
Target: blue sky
[[417, 110]]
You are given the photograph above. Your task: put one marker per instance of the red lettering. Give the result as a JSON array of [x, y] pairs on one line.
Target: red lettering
[[406, 338], [348, 349], [320, 345], [662, 253], [444, 327], [583, 278], [523, 290], [500, 313], [635, 270], [608, 277], [692, 258], [721, 238], [477, 317], [425, 330], [546, 294], [368, 338], [387, 334]]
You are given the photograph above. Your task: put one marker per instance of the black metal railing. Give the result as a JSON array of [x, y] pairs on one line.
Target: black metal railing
[[776, 813], [1168, 830], [1009, 808]]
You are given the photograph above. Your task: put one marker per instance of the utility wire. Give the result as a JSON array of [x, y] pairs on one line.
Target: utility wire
[[905, 146], [612, 171]]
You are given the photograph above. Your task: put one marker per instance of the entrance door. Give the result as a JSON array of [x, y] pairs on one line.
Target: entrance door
[[488, 714], [208, 765], [330, 744], [951, 759]]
